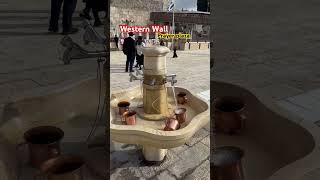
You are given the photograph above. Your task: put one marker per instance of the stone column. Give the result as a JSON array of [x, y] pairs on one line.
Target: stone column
[[154, 90]]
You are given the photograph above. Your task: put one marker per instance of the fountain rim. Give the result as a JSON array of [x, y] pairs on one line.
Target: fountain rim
[[155, 51], [192, 127], [286, 171]]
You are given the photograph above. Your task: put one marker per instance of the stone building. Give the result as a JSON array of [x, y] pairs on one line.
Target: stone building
[[137, 11], [194, 22], [147, 12]]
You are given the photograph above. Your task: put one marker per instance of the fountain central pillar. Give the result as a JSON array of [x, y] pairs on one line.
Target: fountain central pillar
[[154, 90]]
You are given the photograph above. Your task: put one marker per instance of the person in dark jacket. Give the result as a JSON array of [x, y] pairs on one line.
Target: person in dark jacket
[[116, 40], [129, 49], [162, 42], [68, 9], [175, 55]]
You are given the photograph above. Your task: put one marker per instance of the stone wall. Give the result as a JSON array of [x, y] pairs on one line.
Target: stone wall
[[138, 10], [142, 5]]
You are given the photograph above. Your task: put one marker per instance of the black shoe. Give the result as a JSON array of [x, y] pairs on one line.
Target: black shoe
[[97, 23], [53, 30], [72, 31]]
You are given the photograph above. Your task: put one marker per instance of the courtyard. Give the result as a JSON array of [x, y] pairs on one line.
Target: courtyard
[[190, 161]]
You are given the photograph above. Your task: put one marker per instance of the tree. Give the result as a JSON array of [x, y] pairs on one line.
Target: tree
[[203, 5]]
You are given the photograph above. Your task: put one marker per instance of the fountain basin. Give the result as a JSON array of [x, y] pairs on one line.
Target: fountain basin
[[150, 133], [71, 107], [277, 144]]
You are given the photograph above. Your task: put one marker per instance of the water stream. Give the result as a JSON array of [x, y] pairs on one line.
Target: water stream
[[174, 96]]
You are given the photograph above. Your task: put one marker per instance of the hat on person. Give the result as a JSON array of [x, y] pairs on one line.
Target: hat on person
[[131, 34]]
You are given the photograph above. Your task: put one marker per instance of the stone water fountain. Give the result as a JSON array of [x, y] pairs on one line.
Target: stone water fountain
[[154, 102]]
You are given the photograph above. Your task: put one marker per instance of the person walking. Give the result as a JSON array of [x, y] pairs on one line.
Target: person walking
[[116, 40], [162, 42], [68, 10], [129, 49], [140, 57], [175, 49]]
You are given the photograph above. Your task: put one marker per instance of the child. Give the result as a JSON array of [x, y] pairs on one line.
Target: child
[[139, 56]]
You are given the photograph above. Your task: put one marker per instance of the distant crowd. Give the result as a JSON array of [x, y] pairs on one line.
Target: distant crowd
[[132, 48]]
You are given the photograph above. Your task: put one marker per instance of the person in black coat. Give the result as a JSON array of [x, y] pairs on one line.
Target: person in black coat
[[68, 9], [129, 49], [116, 40], [175, 55]]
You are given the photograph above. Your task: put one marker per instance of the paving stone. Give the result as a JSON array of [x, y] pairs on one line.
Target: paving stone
[[10, 89], [179, 149], [314, 93], [118, 158], [206, 141], [314, 174], [190, 159], [147, 171], [279, 91], [202, 172], [127, 171], [165, 175], [198, 136], [171, 158], [306, 101], [298, 110]]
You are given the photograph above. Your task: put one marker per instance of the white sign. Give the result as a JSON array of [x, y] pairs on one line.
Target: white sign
[[171, 6]]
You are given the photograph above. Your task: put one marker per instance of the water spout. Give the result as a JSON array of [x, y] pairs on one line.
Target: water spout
[[174, 96]]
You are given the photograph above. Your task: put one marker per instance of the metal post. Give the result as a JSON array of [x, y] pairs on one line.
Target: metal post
[[173, 31]]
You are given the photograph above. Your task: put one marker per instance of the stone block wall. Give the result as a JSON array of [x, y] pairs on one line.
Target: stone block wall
[[138, 10]]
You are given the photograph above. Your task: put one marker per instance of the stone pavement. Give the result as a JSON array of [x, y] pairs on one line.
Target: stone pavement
[[272, 47], [30, 58], [190, 161]]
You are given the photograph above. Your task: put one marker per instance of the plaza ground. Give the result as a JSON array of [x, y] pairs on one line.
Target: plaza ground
[[271, 47], [190, 161]]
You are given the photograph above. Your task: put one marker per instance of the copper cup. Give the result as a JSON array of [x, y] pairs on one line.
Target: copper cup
[[64, 167], [130, 117], [227, 163], [171, 124], [123, 107], [182, 98], [229, 114], [43, 143], [181, 114]]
